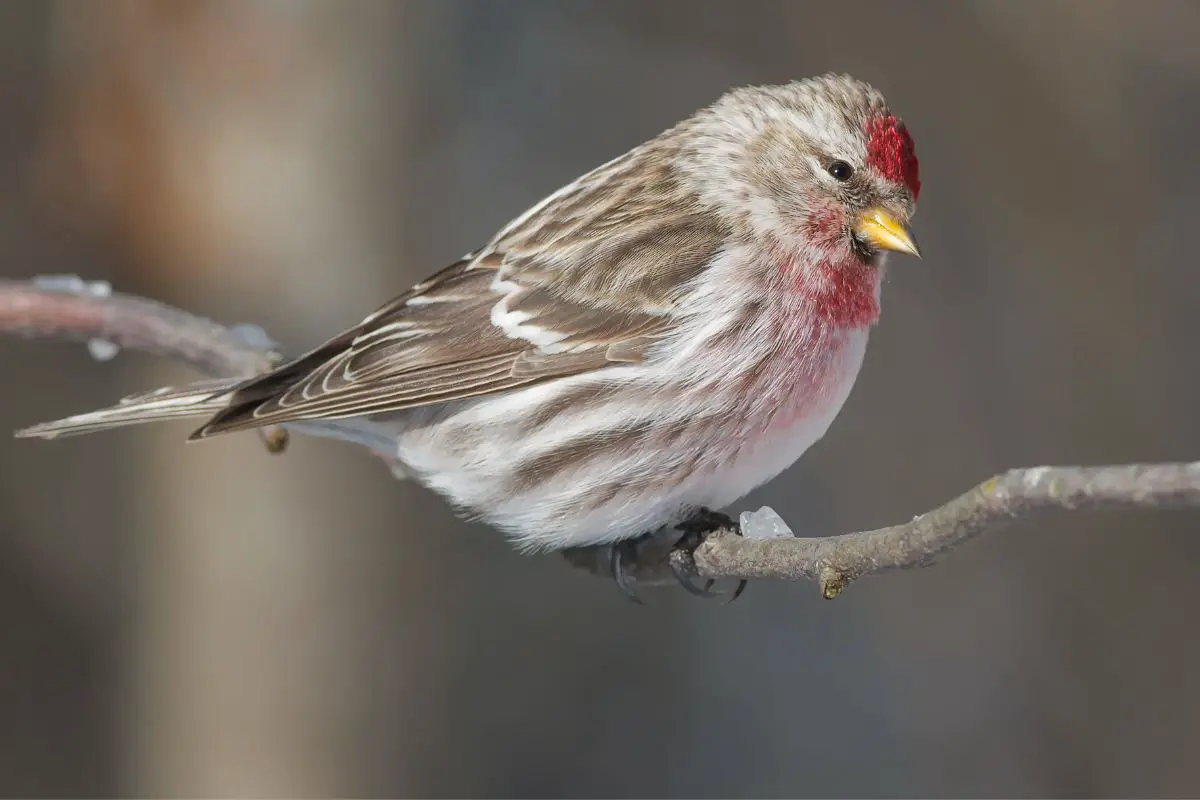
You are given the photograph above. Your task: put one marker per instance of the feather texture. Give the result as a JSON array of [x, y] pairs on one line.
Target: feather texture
[[668, 331], [592, 279], [197, 399]]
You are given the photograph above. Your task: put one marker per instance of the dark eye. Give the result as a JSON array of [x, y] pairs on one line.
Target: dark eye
[[841, 170]]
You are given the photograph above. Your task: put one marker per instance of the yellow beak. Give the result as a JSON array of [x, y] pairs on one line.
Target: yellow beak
[[881, 230]]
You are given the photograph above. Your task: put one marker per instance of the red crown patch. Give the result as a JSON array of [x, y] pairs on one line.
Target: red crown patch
[[891, 153]]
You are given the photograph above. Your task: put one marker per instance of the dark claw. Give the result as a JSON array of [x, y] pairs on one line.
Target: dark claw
[[618, 573], [707, 593], [685, 580], [694, 529], [741, 587]]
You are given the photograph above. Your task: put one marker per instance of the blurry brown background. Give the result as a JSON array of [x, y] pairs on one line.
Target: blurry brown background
[[210, 621]]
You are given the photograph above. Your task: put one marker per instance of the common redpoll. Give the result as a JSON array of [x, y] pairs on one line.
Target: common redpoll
[[660, 336]]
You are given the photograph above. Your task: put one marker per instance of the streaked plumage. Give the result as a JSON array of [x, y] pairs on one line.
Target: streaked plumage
[[669, 331]]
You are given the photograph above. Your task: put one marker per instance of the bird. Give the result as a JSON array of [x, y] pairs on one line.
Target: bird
[[656, 338]]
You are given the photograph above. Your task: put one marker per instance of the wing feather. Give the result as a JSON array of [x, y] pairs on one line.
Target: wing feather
[[591, 277]]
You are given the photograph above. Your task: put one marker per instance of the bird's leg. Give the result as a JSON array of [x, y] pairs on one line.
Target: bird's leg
[[645, 558], [682, 559]]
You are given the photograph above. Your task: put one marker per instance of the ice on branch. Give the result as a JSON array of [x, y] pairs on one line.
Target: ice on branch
[[100, 349], [764, 524]]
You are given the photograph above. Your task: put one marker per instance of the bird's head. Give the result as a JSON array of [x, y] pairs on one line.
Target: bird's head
[[820, 165]]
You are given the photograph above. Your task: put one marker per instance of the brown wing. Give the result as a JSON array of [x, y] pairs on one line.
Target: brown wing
[[589, 278]]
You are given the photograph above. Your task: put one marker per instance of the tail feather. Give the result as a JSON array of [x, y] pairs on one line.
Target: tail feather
[[203, 398]]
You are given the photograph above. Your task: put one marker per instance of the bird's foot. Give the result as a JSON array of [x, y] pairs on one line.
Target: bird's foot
[[682, 559], [667, 555]]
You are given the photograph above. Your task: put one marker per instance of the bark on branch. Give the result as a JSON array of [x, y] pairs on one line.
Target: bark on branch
[[1018, 494], [67, 308]]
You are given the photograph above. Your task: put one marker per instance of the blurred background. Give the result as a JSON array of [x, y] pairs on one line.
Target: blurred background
[[209, 620]]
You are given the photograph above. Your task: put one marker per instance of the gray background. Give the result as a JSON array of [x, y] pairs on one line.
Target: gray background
[[207, 620]]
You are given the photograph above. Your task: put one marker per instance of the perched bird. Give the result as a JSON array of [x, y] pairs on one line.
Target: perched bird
[[660, 336]]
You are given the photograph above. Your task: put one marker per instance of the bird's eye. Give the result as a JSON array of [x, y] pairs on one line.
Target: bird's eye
[[841, 170]]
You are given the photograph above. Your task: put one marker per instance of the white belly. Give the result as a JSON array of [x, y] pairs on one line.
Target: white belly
[[670, 453], [759, 459]]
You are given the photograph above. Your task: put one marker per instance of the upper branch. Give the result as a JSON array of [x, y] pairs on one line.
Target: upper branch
[[68, 308]]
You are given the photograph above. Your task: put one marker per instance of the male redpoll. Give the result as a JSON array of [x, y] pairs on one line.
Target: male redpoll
[[658, 337]]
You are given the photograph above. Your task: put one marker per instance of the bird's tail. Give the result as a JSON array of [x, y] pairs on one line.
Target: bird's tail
[[202, 398]]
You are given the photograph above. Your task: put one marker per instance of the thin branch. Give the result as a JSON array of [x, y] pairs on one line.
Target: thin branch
[[1018, 494], [67, 308]]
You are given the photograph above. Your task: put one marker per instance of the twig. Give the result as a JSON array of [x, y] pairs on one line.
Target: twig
[[71, 309], [1018, 494], [66, 307]]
